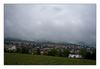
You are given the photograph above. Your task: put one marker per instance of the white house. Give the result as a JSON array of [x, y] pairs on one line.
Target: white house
[[12, 48], [74, 56]]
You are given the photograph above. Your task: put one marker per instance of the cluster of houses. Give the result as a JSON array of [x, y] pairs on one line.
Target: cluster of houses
[[44, 47]]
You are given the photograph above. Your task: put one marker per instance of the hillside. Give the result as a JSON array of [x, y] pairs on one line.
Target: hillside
[[28, 59]]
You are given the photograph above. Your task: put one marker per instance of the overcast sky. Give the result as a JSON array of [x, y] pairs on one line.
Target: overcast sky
[[68, 22]]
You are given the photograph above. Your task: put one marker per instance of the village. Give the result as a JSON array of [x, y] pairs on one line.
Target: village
[[45, 48]]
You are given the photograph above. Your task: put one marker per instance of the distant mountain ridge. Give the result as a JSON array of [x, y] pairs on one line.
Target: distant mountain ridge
[[81, 43]]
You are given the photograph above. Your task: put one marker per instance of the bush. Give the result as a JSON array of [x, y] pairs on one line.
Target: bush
[[66, 52], [88, 55], [53, 52], [83, 52], [59, 52]]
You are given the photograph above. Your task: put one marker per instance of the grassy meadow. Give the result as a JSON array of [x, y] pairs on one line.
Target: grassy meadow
[[29, 59]]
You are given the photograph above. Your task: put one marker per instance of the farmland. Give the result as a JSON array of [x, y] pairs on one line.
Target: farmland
[[29, 59]]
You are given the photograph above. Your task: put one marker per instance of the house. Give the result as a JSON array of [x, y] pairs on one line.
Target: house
[[74, 56], [13, 47], [41, 52]]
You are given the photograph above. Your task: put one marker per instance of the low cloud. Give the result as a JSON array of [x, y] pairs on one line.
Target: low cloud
[[72, 22]]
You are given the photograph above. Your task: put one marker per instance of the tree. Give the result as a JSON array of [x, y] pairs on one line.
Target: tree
[[88, 55], [25, 50], [19, 50], [53, 52], [93, 56], [5, 50], [60, 53], [66, 52], [38, 51], [83, 52]]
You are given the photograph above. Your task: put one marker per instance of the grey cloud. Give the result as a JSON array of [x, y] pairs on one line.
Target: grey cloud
[[72, 22]]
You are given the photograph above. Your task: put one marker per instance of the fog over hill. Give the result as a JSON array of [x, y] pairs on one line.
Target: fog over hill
[[53, 22]]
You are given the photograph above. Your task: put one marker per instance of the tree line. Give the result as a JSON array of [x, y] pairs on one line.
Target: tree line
[[55, 52]]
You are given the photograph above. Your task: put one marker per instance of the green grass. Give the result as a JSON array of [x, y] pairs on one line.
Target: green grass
[[28, 59]]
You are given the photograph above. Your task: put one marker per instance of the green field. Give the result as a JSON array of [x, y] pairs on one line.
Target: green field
[[28, 59]]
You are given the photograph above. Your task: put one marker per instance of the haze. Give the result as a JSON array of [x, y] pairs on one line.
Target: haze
[[54, 22]]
